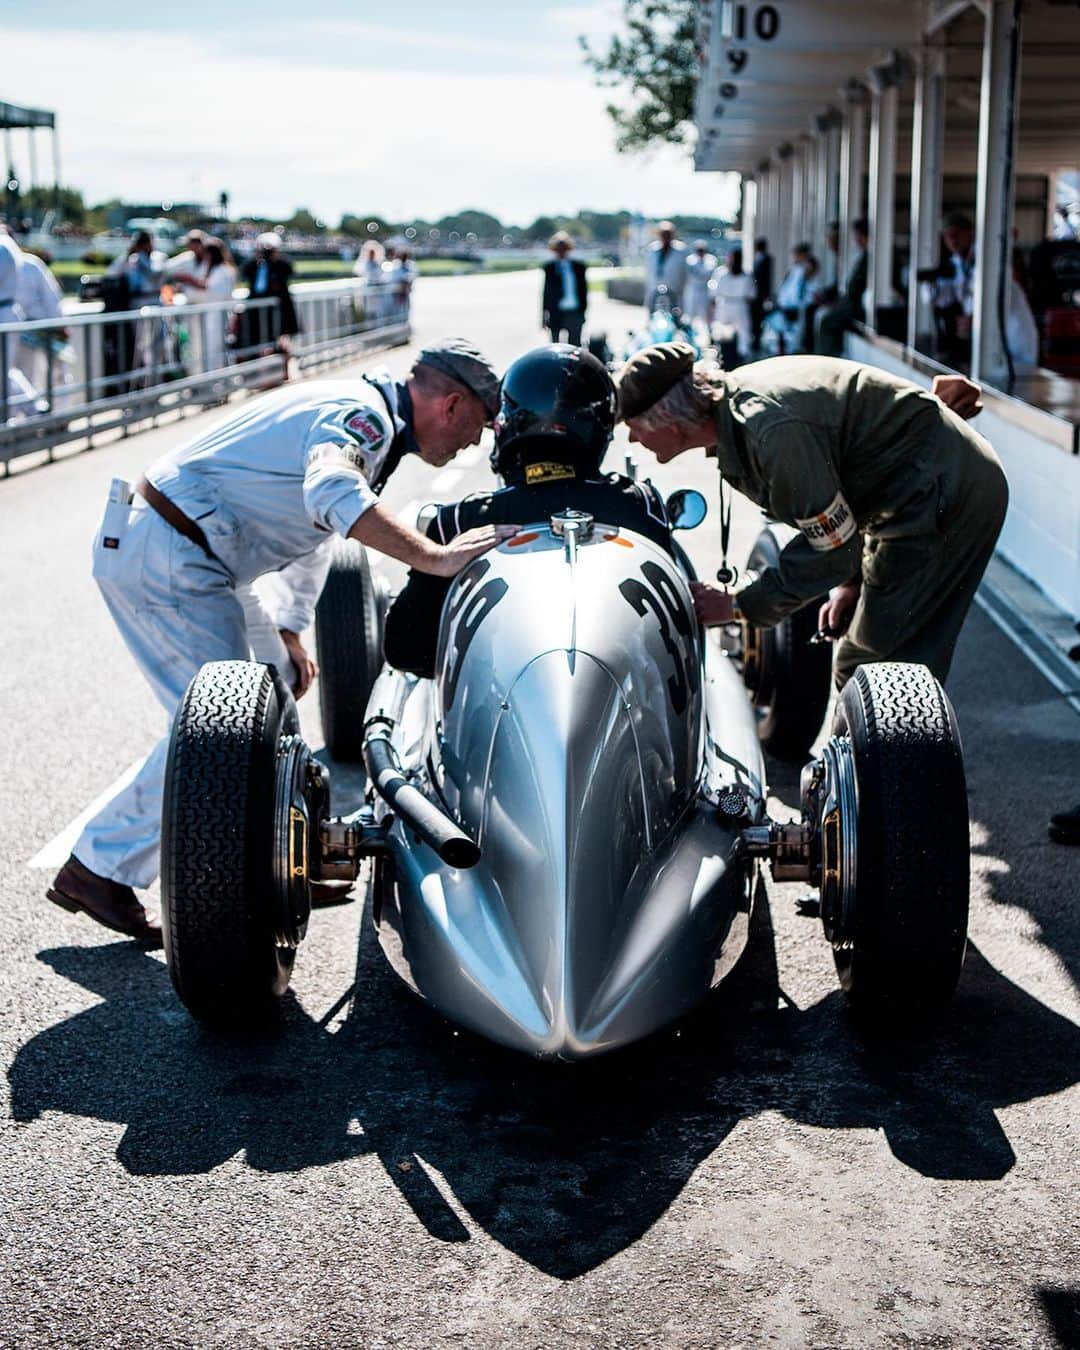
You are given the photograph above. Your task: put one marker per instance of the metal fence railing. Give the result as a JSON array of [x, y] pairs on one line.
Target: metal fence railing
[[99, 372]]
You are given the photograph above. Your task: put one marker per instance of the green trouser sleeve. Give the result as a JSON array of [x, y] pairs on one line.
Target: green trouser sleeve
[[795, 459]]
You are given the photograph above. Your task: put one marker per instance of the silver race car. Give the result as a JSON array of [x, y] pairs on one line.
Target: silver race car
[[565, 821]]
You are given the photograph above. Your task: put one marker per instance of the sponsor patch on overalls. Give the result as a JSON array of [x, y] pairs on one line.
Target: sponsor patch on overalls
[[831, 528], [365, 430], [547, 471]]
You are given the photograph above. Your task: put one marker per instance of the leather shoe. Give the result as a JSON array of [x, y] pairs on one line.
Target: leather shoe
[[1064, 828], [79, 890]]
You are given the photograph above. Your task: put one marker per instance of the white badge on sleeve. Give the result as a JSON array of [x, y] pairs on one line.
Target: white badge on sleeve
[[114, 527], [831, 528]]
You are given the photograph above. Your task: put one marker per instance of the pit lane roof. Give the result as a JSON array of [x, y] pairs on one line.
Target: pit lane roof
[[772, 73]]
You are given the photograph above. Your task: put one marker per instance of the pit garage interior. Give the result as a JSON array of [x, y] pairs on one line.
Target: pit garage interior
[[904, 113]]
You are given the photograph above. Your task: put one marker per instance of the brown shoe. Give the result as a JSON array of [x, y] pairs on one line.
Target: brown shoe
[[79, 890]]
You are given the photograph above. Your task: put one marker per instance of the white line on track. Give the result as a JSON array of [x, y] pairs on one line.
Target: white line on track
[[55, 853], [989, 601]]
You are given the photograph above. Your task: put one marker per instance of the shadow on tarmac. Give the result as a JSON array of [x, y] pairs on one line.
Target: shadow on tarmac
[[565, 1165]]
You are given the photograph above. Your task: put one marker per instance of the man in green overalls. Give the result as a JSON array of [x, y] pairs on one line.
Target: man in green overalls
[[897, 502]]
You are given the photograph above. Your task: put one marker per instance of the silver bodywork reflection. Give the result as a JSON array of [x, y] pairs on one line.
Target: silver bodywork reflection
[[580, 729]]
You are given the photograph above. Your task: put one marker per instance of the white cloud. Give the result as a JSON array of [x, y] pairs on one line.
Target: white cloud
[[143, 115]]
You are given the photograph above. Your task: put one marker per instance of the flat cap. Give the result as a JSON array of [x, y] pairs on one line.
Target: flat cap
[[650, 374], [468, 365]]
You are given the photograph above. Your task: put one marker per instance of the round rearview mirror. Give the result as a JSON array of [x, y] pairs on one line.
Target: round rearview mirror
[[686, 509]]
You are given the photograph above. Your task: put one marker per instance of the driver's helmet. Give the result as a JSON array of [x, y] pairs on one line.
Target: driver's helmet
[[556, 403]]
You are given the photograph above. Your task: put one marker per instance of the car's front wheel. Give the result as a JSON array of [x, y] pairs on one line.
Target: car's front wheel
[[894, 845], [229, 952]]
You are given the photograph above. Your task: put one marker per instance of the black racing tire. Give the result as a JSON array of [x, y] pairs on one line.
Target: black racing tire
[[348, 637], [790, 681], [906, 948], [217, 842]]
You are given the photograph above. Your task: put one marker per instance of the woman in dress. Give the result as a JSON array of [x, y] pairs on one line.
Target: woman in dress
[[733, 292]]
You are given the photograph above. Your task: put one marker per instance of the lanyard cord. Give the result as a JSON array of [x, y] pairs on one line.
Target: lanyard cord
[[726, 575]]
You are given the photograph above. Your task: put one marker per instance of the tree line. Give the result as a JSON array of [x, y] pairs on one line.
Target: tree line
[[462, 227]]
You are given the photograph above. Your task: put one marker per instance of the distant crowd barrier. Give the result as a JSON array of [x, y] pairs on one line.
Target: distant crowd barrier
[[105, 372], [631, 290]]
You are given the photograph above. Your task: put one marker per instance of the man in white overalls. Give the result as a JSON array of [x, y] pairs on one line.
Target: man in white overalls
[[263, 490]]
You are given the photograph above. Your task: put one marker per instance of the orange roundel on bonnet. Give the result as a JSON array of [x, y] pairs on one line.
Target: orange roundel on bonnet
[[617, 539], [520, 539]]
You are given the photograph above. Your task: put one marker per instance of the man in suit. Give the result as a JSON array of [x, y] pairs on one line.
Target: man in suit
[[844, 307], [763, 280], [565, 292], [267, 276], [665, 265]]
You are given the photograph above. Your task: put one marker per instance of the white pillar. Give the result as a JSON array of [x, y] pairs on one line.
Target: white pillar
[[828, 170], [819, 192], [994, 189], [852, 163], [832, 201], [751, 206], [784, 207], [763, 223], [882, 190], [927, 139]]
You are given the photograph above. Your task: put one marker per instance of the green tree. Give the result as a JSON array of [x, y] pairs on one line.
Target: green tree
[[480, 223], [606, 226], [654, 62], [357, 226], [541, 230], [72, 208], [302, 220]]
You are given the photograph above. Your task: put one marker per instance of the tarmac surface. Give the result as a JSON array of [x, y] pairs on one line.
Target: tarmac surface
[[367, 1176]]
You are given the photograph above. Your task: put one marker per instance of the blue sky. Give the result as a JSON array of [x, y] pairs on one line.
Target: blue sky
[[483, 104]]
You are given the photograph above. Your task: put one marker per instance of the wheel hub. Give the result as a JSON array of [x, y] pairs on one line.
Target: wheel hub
[[838, 832], [301, 799]]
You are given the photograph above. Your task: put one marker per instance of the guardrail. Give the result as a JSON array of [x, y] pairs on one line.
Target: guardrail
[[107, 372]]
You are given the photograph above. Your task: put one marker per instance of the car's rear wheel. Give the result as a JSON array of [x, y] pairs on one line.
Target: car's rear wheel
[[895, 849], [789, 678], [348, 636], [228, 957]]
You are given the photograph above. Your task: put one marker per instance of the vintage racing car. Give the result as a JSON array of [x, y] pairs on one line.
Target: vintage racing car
[[565, 822]]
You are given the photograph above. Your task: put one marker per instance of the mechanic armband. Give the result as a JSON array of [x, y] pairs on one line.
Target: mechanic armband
[[831, 528]]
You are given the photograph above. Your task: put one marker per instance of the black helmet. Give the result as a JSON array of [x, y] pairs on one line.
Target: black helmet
[[556, 403]]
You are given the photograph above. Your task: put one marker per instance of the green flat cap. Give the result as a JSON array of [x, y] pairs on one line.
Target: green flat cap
[[465, 363], [650, 374]]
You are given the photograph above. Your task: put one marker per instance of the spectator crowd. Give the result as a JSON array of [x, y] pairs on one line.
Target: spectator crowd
[[175, 317], [758, 310]]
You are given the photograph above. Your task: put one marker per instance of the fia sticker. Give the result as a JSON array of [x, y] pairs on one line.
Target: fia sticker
[[365, 429], [547, 471], [831, 528]]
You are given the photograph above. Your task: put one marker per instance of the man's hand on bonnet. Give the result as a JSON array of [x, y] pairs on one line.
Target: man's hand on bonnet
[[713, 606]]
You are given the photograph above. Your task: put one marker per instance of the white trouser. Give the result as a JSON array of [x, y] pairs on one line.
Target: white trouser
[[175, 609], [696, 302]]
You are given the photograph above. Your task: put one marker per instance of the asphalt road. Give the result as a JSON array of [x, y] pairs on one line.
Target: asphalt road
[[367, 1177]]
